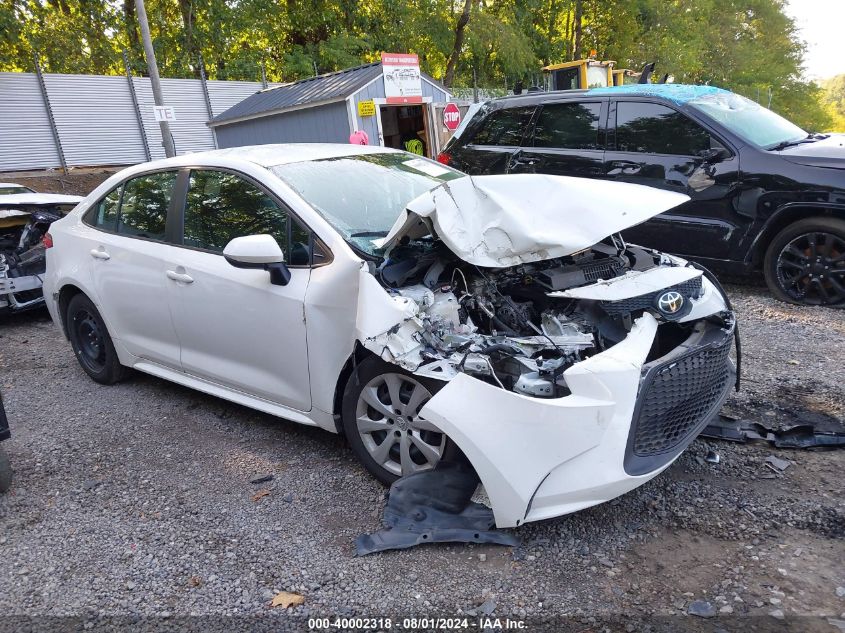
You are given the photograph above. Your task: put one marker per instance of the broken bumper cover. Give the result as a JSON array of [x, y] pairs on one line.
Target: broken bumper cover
[[625, 421], [11, 285]]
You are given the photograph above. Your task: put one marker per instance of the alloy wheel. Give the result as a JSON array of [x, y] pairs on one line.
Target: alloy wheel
[[811, 269], [391, 428]]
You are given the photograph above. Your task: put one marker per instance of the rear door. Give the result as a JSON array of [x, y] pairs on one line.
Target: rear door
[[656, 145], [487, 146], [567, 140], [235, 328], [126, 243]]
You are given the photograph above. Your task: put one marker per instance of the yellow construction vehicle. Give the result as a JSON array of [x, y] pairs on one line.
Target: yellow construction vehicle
[[579, 74], [591, 73]]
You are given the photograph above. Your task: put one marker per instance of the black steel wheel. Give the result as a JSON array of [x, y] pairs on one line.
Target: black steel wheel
[[805, 263], [91, 342]]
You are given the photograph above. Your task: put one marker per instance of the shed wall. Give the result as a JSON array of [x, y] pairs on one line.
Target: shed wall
[[322, 124]]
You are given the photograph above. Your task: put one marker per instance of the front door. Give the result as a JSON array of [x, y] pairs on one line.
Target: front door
[[658, 146], [567, 141], [125, 237], [235, 327]]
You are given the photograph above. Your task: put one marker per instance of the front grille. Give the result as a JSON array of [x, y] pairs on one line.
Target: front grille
[[678, 396], [607, 269], [687, 289]]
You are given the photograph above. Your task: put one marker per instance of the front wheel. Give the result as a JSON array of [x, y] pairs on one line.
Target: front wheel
[[805, 263], [382, 422]]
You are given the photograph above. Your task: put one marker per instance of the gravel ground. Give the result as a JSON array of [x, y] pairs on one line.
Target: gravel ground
[[135, 500]]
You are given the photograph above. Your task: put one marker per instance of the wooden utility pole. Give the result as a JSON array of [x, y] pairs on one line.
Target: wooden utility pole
[[152, 67]]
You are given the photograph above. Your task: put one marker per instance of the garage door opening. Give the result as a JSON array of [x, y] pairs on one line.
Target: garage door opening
[[405, 127]]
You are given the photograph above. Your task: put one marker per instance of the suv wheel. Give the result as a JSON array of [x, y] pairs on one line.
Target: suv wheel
[[91, 342], [381, 420], [805, 263]]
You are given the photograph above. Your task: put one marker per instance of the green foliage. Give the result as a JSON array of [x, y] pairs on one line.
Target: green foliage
[[833, 100], [750, 46]]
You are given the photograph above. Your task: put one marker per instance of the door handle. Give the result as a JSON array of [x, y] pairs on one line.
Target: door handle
[[180, 277], [100, 253], [628, 167]]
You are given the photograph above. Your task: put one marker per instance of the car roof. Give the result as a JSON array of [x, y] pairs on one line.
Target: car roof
[[12, 184], [270, 155], [676, 93]]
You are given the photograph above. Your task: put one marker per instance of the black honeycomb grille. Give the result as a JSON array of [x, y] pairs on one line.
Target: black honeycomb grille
[[676, 399], [687, 289]]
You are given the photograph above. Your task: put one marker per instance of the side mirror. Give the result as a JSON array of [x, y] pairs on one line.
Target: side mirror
[[258, 251], [714, 154]]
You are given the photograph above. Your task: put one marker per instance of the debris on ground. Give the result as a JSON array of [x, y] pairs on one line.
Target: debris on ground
[[777, 464], [434, 506], [702, 609], [286, 599], [260, 494], [261, 479], [798, 436]]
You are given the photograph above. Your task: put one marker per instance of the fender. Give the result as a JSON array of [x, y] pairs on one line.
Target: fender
[[778, 220]]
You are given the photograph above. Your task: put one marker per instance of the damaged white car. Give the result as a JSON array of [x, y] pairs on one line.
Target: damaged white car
[[420, 312], [25, 217]]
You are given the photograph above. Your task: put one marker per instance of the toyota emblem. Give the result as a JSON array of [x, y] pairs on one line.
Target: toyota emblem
[[670, 302]]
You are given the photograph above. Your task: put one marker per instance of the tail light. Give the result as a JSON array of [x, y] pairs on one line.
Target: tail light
[[444, 158], [47, 241]]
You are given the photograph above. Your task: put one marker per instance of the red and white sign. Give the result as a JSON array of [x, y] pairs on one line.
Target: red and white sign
[[451, 116], [401, 73]]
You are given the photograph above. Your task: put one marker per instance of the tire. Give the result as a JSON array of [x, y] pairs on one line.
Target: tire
[[805, 263], [91, 342], [5, 471], [368, 427]]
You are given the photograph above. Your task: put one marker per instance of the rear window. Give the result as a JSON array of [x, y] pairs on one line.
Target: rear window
[[503, 127]]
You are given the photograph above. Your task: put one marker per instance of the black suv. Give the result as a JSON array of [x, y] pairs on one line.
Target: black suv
[[764, 193]]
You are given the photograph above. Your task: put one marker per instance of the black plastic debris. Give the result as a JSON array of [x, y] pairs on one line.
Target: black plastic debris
[[798, 436], [262, 479], [434, 506], [5, 466]]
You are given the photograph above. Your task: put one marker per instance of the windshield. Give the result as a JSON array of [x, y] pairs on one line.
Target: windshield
[[8, 190], [750, 121], [361, 196]]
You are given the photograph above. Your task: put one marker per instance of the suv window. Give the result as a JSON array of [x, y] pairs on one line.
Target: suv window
[[143, 209], [650, 128], [504, 127], [221, 206], [568, 125]]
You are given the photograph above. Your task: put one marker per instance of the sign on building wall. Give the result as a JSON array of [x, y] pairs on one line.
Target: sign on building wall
[[367, 108], [402, 82]]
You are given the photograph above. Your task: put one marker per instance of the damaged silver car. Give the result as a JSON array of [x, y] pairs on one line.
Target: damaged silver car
[[423, 313], [25, 217]]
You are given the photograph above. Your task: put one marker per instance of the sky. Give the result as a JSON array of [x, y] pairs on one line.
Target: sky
[[822, 26]]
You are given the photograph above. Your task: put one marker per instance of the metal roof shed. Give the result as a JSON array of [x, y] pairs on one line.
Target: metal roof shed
[[325, 109]]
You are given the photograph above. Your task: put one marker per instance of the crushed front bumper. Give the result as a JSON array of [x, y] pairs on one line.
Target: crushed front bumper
[[626, 420], [12, 286]]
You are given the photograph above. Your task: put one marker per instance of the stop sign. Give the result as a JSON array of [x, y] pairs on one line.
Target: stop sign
[[451, 116]]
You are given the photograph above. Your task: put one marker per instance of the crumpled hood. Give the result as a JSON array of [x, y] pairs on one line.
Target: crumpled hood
[[505, 220], [37, 199]]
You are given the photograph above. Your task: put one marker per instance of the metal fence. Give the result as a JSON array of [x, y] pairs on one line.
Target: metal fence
[[56, 120]]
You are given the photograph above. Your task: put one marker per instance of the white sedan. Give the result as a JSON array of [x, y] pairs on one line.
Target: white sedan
[[424, 314]]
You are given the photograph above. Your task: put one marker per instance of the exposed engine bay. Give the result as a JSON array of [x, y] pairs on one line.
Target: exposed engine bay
[[513, 327], [23, 226]]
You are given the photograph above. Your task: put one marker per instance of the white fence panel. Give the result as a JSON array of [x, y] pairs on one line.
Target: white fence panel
[[26, 141], [96, 119]]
